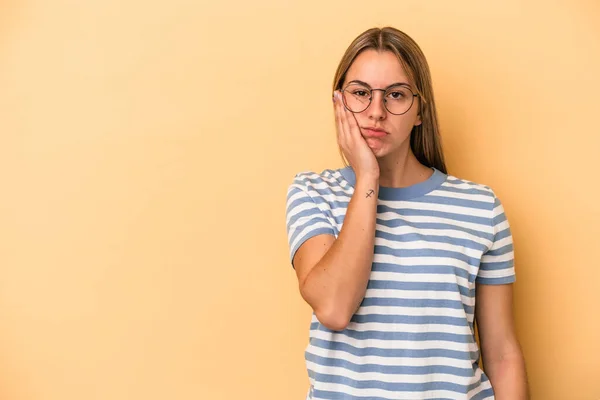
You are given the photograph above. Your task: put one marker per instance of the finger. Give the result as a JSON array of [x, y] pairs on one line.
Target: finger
[[342, 123], [338, 117], [353, 127], [344, 118]]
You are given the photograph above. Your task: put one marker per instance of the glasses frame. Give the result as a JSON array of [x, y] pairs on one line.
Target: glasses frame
[[412, 100]]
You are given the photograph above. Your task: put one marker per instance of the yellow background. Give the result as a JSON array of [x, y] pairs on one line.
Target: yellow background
[[145, 152]]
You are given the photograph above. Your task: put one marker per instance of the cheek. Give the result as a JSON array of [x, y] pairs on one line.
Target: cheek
[[362, 119], [403, 124]]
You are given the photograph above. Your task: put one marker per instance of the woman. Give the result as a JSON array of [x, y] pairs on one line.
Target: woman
[[396, 257]]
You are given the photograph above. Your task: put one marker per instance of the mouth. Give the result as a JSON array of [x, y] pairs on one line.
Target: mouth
[[373, 132]]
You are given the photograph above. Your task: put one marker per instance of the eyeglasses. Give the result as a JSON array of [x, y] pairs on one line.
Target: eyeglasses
[[397, 99]]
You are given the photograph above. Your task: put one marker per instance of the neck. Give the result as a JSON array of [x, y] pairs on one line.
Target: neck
[[402, 169]]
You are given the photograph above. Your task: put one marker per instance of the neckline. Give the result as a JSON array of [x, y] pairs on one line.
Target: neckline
[[402, 193]]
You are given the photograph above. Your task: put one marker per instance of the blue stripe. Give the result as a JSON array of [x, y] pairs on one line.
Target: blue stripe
[[429, 286], [329, 395], [380, 335], [424, 252], [500, 251], [328, 191], [392, 353], [314, 211], [473, 191], [484, 394], [416, 236], [308, 226], [502, 234], [397, 387], [393, 223], [451, 201], [410, 319], [433, 213], [496, 266], [388, 369], [456, 181], [430, 303], [336, 204], [424, 269], [327, 174], [496, 281]]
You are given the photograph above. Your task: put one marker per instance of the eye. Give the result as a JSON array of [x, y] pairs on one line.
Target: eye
[[360, 93], [397, 95]]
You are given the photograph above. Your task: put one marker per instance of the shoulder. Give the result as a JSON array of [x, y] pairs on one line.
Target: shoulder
[[470, 190], [327, 179]]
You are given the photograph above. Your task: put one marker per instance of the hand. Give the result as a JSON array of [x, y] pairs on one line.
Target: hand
[[353, 145]]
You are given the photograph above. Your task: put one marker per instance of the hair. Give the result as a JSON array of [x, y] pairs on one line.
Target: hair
[[425, 140]]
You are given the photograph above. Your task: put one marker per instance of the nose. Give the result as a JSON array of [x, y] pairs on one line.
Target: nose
[[377, 109]]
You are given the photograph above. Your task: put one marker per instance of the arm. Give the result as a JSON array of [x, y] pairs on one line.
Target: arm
[[502, 357], [333, 273]]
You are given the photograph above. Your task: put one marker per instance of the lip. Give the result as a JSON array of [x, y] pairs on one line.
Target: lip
[[374, 132]]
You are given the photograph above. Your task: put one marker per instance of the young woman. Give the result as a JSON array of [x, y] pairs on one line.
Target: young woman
[[396, 257]]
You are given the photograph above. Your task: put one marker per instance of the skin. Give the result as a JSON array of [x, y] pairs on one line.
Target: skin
[[391, 158], [333, 273]]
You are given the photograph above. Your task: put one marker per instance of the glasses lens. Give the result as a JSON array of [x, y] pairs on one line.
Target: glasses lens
[[398, 99], [357, 97]]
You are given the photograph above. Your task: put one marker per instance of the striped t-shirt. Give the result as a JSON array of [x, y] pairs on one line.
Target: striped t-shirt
[[412, 336]]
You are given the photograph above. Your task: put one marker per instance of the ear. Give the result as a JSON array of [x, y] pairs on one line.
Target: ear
[[418, 120]]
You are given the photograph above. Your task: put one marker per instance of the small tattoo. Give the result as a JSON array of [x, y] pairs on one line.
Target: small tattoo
[[370, 193]]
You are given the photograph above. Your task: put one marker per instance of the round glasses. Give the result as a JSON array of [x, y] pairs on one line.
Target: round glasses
[[397, 99]]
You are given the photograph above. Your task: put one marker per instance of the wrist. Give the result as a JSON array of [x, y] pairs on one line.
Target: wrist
[[368, 178], [367, 182]]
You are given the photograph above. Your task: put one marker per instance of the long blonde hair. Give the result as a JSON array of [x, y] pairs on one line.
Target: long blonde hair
[[425, 140]]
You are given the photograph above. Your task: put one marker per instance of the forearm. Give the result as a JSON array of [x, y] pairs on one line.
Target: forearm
[[336, 285], [508, 377]]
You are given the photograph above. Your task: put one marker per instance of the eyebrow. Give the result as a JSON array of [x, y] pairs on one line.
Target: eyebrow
[[392, 85]]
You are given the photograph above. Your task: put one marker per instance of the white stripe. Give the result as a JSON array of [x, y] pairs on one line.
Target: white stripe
[[391, 216], [330, 197], [409, 328], [502, 242], [386, 394], [395, 344], [306, 231], [294, 197], [499, 210], [330, 177], [323, 185], [394, 378], [391, 361], [455, 182], [419, 295], [501, 258], [404, 205], [391, 259], [422, 245], [501, 226], [463, 196], [497, 273], [301, 221], [451, 233], [415, 311], [420, 278], [308, 205]]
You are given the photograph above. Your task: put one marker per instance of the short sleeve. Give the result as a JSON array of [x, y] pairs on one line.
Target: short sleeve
[[304, 219], [497, 263]]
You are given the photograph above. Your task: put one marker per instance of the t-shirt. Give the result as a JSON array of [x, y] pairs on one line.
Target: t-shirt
[[413, 335]]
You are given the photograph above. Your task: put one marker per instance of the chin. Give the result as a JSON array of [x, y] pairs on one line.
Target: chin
[[378, 148]]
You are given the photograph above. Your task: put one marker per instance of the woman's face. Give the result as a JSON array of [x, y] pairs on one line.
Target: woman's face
[[384, 132]]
